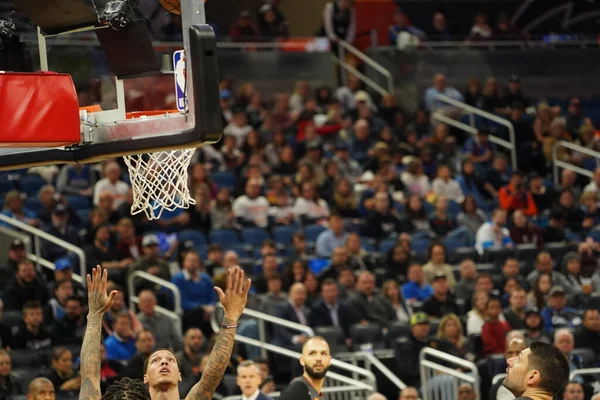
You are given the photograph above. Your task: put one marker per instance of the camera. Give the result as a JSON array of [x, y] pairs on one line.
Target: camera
[[118, 13]]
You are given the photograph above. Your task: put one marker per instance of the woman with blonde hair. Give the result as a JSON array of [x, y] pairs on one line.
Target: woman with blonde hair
[[476, 317], [541, 125], [391, 292], [451, 331]]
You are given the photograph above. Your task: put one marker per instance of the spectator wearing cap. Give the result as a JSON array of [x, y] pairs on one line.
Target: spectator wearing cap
[[432, 104], [23, 287], [161, 326], [514, 196], [70, 328], [416, 289], [587, 335], [55, 309], [493, 234], [493, 332], [408, 352], [102, 252], [16, 254], [348, 166], [442, 302], [243, 30], [197, 295], [252, 209], [514, 93], [480, 150], [555, 231], [111, 183], [524, 232], [557, 314], [60, 229], [151, 260], [13, 208], [534, 327]]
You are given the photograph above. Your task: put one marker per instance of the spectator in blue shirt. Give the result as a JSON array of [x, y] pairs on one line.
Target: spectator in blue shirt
[[13, 207], [416, 289], [432, 104], [557, 315], [120, 345], [332, 238], [480, 150], [402, 24]]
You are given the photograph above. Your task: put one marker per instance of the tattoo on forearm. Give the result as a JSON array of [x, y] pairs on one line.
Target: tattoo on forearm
[[217, 364], [90, 359]]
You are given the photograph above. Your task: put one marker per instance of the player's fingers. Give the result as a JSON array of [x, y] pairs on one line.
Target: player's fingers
[[89, 283], [247, 285], [241, 281], [229, 278], [219, 293], [111, 296], [104, 280]]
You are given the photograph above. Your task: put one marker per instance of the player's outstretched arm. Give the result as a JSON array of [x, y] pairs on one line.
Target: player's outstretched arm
[[233, 301], [98, 302]]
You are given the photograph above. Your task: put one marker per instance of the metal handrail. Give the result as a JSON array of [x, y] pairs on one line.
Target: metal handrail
[[368, 81], [580, 149], [498, 377], [459, 362], [371, 359], [498, 43], [487, 115], [133, 299], [323, 390], [370, 62], [584, 371], [40, 234]]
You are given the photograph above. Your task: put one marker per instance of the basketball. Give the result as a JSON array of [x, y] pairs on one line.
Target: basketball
[[172, 6]]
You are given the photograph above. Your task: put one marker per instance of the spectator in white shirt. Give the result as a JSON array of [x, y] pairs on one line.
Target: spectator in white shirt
[[481, 30], [112, 183], [309, 207], [249, 380], [445, 186], [594, 185], [282, 213], [238, 127], [493, 234], [252, 209]]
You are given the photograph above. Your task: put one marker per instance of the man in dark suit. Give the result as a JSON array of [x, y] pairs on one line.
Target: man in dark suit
[[329, 311], [294, 311], [249, 379], [145, 345], [588, 334]]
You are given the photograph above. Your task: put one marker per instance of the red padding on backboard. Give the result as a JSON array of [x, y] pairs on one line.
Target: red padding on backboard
[[38, 110]]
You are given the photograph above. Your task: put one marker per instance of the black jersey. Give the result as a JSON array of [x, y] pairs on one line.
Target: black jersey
[[300, 389]]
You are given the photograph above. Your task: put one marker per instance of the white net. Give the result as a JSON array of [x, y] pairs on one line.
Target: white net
[[160, 181]]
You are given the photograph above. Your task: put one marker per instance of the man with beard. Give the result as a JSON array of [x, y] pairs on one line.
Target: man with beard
[[315, 359], [538, 373]]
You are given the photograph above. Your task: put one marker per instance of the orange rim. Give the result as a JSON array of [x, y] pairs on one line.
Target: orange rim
[[153, 113]]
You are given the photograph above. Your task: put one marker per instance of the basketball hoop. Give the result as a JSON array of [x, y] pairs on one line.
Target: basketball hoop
[[159, 180]]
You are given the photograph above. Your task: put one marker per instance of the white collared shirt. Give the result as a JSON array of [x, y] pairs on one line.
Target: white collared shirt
[[253, 397]]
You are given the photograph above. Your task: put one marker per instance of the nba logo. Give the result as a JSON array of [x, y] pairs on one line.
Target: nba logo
[[180, 88]]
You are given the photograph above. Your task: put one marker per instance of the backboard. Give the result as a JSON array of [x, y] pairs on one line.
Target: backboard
[[128, 69]]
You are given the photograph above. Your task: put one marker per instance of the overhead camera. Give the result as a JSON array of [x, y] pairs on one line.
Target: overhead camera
[[118, 13]]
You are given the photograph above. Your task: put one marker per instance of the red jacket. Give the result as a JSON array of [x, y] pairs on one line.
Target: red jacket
[[493, 336]]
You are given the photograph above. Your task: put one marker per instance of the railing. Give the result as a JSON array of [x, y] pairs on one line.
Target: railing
[[133, 299], [584, 371], [580, 149], [261, 318], [370, 360], [494, 44], [325, 391], [433, 385], [510, 145], [498, 378], [39, 235], [371, 63]]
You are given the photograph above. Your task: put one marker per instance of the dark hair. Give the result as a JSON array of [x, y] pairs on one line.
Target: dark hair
[[492, 299], [75, 298], [328, 281], [60, 283], [147, 362], [31, 304], [58, 352], [127, 389], [552, 366], [269, 243], [483, 275], [275, 276], [137, 337], [214, 247]]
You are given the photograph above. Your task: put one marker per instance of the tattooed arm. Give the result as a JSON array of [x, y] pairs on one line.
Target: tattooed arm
[[233, 301], [98, 303]]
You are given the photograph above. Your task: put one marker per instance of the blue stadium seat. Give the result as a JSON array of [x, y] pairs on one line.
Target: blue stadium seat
[[428, 207], [31, 184], [369, 244], [284, 234], [223, 179], [84, 216], [79, 202], [311, 232], [224, 237], [399, 207], [6, 185], [386, 245], [421, 246], [242, 250], [34, 204], [190, 234], [254, 236], [454, 208]]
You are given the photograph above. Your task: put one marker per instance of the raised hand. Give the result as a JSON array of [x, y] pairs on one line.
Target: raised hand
[[236, 293], [98, 301]]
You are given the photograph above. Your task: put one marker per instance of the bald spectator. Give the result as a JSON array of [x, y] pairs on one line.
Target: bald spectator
[[252, 209], [409, 393], [377, 396], [368, 308], [296, 311], [162, 327], [189, 358], [41, 389], [565, 342], [440, 87], [111, 183]]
